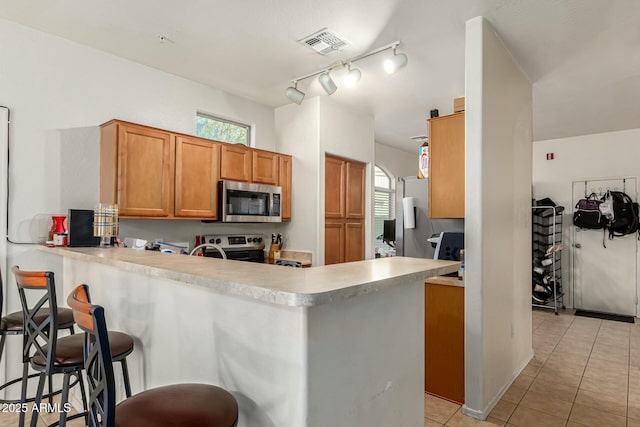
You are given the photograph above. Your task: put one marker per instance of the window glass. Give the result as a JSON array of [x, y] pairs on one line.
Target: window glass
[[384, 208], [222, 130]]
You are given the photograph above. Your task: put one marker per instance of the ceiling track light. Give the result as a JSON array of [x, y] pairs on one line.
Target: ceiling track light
[[294, 94], [391, 65], [327, 83], [396, 62], [353, 76]]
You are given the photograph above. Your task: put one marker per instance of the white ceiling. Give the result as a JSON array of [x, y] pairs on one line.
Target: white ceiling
[[582, 56]]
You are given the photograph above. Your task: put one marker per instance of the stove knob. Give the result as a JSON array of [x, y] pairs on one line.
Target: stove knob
[[259, 239], [218, 241], [249, 240], [211, 240]]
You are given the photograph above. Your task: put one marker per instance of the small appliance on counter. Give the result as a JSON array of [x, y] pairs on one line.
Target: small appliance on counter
[[239, 247], [80, 227]]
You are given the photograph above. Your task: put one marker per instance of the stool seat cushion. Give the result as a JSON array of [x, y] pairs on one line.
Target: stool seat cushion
[[179, 405], [70, 350], [14, 322]]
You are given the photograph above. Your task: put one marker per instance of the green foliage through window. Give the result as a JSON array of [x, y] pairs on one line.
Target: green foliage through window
[[222, 130]]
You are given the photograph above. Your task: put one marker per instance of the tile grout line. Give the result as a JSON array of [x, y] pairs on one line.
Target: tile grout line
[[582, 376], [536, 375]]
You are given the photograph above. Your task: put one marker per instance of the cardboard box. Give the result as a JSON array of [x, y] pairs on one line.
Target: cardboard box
[[423, 161], [458, 105]]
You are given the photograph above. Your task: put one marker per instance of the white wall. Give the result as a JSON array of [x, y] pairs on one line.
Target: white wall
[[309, 131], [497, 219], [297, 131], [51, 83], [55, 87], [350, 134], [597, 156], [397, 162]]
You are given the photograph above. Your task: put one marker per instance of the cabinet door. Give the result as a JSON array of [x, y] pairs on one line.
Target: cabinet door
[[446, 167], [444, 341], [265, 167], [333, 242], [354, 241], [334, 186], [284, 181], [355, 191], [197, 170], [145, 171], [235, 162]]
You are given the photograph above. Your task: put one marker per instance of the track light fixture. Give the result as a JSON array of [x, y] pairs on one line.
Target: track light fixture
[[327, 83], [397, 61], [353, 76], [391, 65], [294, 94]]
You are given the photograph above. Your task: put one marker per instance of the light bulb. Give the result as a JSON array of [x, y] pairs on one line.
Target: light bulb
[[353, 77], [397, 61]]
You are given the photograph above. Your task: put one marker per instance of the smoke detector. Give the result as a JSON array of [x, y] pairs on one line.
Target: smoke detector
[[324, 41]]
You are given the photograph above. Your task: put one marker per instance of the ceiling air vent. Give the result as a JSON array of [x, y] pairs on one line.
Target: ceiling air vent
[[324, 41], [419, 138]]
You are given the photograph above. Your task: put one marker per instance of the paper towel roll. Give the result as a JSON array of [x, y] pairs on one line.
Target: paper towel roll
[[408, 207]]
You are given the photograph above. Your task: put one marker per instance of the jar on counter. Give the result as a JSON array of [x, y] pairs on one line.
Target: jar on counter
[[60, 239]]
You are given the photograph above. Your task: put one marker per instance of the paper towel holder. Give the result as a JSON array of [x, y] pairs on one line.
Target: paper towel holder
[[409, 212]]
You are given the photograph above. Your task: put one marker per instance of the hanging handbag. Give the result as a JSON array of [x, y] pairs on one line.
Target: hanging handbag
[[587, 213]]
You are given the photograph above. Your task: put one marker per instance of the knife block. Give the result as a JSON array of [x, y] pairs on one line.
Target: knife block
[[274, 252]]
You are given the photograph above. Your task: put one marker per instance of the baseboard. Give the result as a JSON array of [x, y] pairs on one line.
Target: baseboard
[[484, 413]]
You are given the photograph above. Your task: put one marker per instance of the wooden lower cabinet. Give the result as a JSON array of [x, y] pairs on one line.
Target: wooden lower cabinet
[[343, 241], [353, 241], [196, 192], [334, 239], [444, 339]]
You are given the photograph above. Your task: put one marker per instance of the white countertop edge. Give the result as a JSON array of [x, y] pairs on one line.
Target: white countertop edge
[[253, 291]]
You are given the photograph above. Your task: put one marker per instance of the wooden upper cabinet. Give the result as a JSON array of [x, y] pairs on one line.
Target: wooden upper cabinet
[[152, 173], [265, 167], [141, 180], [284, 181], [334, 242], [334, 197], [197, 170], [235, 162], [354, 241], [446, 166], [355, 190]]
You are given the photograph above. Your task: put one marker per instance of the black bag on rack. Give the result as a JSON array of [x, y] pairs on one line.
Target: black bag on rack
[[587, 214], [625, 214]]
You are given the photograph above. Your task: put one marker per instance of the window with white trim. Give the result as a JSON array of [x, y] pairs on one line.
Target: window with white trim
[[224, 130], [384, 208]]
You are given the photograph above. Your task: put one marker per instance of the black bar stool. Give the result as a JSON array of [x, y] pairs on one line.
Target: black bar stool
[[13, 324], [199, 405], [53, 355]]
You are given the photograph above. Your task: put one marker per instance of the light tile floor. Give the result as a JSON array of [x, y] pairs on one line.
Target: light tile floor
[[585, 372]]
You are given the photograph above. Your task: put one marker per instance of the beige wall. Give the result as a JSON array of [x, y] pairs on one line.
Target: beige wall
[[397, 162], [497, 219]]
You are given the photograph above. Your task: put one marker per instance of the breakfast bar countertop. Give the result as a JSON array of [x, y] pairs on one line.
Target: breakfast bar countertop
[[269, 283]]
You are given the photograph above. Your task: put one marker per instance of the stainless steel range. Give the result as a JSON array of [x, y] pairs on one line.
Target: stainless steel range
[[239, 247]]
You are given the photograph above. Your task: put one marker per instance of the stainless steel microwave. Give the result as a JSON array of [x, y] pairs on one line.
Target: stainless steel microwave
[[249, 202]]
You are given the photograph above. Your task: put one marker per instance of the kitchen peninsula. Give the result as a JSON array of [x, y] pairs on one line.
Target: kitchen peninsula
[[339, 345]]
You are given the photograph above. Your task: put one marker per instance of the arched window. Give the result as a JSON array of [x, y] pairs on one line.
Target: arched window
[[384, 208]]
